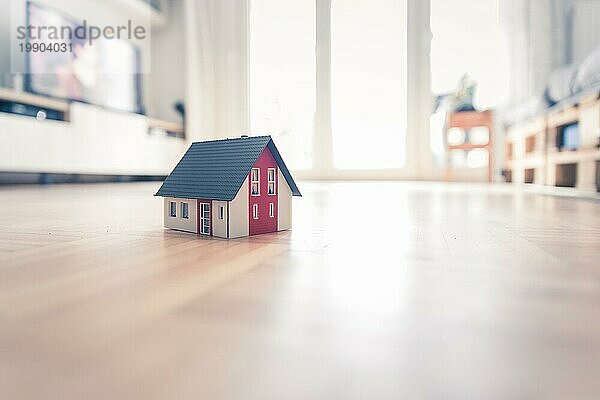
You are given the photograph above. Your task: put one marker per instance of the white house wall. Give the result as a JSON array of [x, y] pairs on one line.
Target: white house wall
[[219, 225], [238, 213], [284, 204], [178, 223]]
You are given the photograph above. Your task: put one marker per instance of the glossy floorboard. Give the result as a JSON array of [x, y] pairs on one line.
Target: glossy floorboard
[[381, 291]]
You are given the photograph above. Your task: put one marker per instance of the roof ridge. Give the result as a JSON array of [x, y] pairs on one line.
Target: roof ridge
[[217, 169], [232, 138]]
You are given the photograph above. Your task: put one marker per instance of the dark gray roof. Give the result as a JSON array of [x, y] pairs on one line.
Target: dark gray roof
[[216, 169]]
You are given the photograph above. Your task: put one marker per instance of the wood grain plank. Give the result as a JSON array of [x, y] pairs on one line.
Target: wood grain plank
[[456, 291]]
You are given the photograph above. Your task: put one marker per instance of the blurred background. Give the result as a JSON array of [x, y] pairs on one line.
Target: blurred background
[[456, 90]]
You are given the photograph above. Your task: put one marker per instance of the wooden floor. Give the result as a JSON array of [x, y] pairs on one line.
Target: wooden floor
[[381, 291]]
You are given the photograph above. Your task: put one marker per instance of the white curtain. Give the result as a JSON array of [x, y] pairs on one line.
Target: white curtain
[[216, 68]]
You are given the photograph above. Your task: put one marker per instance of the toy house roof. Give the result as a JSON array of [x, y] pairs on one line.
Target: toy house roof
[[217, 169]]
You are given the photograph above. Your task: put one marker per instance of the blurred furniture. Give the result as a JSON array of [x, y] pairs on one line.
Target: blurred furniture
[[553, 139], [83, 138], [559, 148], [466, 121], [24, 103], [525, 152]]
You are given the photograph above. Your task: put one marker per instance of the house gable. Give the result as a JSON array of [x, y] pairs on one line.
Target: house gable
[[262, 207]]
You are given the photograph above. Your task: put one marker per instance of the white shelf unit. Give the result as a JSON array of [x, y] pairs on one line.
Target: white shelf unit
[[92, 140]]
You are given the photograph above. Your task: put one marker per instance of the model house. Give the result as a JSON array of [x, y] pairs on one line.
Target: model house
[[230, 188]]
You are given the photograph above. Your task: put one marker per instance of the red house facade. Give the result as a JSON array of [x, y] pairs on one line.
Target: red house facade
[[262, 195]]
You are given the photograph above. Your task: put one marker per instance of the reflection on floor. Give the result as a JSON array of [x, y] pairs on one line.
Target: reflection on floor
[[381, 291]]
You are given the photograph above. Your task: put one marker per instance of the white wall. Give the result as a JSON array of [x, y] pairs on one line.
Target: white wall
[[284, 203], [219, 225], [586, 29], [544, 35], [238, 213], [182, 224]]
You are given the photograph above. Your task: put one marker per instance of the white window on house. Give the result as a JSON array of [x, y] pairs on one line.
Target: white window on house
[[271, 180], [271, 210], [173, 209], [221, 212], [255, 211], [255, 182], [185, 210]]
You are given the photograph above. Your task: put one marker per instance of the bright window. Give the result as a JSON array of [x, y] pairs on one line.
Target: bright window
[[185, 210], [172, 209], [271, 181], [282, 76], [255, 211], [255, 181], [368, 83]]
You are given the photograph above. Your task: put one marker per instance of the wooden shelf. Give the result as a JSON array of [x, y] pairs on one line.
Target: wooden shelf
[[573, 156], [534, 160], [562, 117], [532, 155], [467, 146], [36, 100], [175, 128], [469, 119], [169, 126], [525, 156]]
